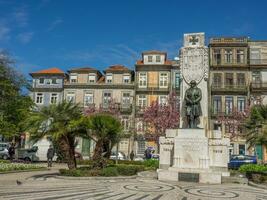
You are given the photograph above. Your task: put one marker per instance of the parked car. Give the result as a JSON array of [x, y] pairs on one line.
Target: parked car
[[121, 156], [29, 155], [4, 151], [237, 160]]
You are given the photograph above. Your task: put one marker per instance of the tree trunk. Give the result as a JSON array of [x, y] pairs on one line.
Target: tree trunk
[[98, 150]]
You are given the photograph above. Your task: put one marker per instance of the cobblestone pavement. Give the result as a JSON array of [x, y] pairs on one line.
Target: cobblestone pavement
[[48, 186]]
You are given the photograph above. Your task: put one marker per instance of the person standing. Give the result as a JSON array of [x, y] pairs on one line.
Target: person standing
[[11, 151], [132, 155], [50, 155]]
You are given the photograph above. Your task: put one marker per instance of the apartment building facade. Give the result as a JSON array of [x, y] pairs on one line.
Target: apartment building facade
[[156, 77]]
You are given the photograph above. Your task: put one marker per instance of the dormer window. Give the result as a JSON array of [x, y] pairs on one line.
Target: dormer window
[[54, 80], [158, 58], [126, 78], [41, 80], [149, 58], [73, 78], [91, 78], [109, 78]]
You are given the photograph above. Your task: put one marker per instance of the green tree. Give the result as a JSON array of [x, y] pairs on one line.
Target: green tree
[[106, 131], [256, 126], [14, 105], [58, 121]]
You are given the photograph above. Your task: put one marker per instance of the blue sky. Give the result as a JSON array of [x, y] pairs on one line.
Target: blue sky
[[41, 34]]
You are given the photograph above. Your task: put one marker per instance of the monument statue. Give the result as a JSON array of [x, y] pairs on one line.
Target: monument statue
[[193, 97]]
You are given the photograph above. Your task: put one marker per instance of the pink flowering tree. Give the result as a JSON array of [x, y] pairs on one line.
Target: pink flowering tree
[[159, 117], [235, 120]]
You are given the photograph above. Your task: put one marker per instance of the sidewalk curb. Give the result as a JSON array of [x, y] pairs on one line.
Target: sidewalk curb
[[19, 171], [250, 183], [95, 177]]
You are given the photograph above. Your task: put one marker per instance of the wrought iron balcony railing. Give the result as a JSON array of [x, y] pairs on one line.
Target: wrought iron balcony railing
[[232, 87], [153, 87]]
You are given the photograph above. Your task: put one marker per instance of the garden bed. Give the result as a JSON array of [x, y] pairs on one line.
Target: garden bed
[[124, 168], [7, 166], [254, 172]]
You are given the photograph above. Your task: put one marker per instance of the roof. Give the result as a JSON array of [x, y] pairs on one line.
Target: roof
[[141, 62], [154, 52], [117, 68], [48, 71], [83, 69]]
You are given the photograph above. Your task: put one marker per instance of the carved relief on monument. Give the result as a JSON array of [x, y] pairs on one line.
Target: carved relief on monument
[[194, 64]]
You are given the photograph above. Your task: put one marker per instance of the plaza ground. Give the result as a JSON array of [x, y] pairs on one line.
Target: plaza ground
[[44, 185]]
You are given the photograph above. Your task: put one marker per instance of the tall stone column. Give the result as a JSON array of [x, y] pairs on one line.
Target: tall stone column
[[194, 65]]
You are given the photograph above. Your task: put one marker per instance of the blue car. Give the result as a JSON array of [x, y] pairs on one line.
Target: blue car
[[237, 160]]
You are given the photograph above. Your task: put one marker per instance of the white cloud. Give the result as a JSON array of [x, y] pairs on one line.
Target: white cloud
[[25, 37], [4, 33], [54, 24], [20, 16]]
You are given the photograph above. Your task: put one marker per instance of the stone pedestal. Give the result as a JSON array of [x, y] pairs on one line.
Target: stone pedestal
[[191, 156]]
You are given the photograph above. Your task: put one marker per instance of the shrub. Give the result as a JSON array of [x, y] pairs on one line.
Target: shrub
[[129, 170], [79, 172], [151, 163], [253, 168], [129, 162], [4, 161], [109, 171]]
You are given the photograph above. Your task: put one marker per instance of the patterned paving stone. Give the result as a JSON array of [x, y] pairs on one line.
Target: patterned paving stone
[[50, 187]]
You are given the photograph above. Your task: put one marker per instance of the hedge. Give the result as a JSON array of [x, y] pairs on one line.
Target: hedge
[[249, 168]]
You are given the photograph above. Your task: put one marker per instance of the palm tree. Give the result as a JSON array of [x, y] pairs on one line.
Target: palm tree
[[58, 122], [256, 126], [106, 131]]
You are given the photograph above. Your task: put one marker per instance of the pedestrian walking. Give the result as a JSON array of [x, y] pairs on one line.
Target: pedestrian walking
[[132, 155], [50, 155], [11, 151]]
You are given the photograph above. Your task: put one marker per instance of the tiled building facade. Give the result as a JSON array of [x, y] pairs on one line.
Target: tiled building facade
[[238, 77]]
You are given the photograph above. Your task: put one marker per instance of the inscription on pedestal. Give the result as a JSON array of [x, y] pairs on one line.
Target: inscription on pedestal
[[188, 177]]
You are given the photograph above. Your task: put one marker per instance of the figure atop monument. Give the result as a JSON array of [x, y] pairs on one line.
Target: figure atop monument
[[193, 97]]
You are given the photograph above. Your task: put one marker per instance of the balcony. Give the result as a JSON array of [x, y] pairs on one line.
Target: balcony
[[140, 109], [228, 88], [230, 63], [126, 108], [258, 87], [153, 87], [258, 62]]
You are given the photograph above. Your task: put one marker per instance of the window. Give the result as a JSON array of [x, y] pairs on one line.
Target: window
[[41, 80], [125, 122], [109, 78], [242, 149], [228, 105], [228, 56], [88, 99], [126, 99], [142, 101], [126, 78], [217, 80], [217, 104], [241, 79], [158, 58], [256, 79], [255, 56], [142, 79], [48, 81], [70, 96], [163, 100], [39, 98], [240, 56], [241, 104], [91, 78], [54, 98], [149, 58], [217, 56], [106, 97], [177, 80], [163, 79], [73, 79], [54, 80], [229, 79]]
